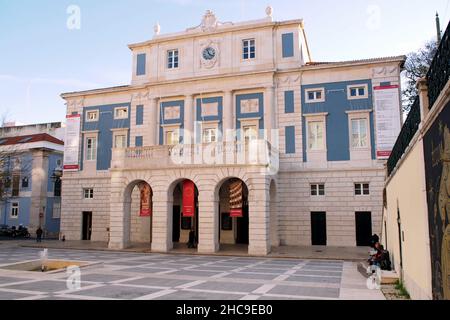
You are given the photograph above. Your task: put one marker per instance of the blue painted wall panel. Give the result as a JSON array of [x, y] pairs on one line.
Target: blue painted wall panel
[[180, 120], [289, 106], [260, 114], [290, 139], [51, 224], [288, 45], [24, 212], [219, 117], [139, 141], [336, 104], [140, 67], [139, 115], [105, 136]]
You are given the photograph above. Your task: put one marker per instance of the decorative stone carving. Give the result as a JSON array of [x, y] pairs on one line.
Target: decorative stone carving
[[210, 109], [172, 113], [205, 63], [209, 23], [250, 106], [382, 72], [289, 80]]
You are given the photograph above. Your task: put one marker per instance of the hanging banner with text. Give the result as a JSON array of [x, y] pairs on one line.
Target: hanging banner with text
[[236, 199], [146, 200], [387, 117], [188, 198], [72, 143]]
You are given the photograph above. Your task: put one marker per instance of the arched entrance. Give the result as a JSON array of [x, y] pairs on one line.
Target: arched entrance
[[185, 215], [233, 215], [138, 211]]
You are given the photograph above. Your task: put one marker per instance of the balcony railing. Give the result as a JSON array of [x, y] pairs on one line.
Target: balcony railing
[[439, 73], [258, 152], [408, 131]]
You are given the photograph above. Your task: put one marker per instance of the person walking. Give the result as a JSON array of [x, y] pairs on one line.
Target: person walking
[[39, 233]]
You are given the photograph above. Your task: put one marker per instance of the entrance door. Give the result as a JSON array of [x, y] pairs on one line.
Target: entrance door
[[363, 228], [176, 223], [318, 228], [87, 225], [242, 228]]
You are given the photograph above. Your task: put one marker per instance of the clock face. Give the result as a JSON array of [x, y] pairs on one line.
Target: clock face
[[209, 53]]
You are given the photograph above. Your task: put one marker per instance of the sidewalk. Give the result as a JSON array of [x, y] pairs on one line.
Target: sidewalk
[[288, 252]]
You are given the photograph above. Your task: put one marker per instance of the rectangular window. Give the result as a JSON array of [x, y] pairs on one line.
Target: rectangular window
[[209, 135], [14, 210], [139, 141], [15, 185], [56, 210], [288, 45], [315, 95], [290, 140], [120, 141], [139, 115], [88, 193], [289, 102], [140, 64], [248, 49], [359, 133], [172, 137], [362, 189], [91, 149], [316, 133], [357, 92], [172, 59], [121, 113], [92, 116], [317, 189], [250, 133]]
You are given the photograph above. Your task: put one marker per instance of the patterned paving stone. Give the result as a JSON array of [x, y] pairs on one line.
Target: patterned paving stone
[[314, 279], [12, 295], [117, 292], [306, 291], [227, 286], [195, 295], [157, 282]]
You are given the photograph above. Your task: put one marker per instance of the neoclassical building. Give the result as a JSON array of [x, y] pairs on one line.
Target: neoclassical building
[[232, 131]]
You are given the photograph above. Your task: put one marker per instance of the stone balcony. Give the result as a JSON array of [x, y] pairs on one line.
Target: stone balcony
[[254, 153]]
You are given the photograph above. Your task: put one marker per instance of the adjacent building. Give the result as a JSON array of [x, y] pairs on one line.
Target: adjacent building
[[233, 131], [417, 204], [30, 176]]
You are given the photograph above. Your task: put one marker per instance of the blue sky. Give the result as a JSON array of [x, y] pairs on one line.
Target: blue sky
[[40, 57]]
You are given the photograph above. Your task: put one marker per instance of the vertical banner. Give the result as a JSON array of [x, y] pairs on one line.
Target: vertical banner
[[236, 199], [72, 143], [146, 200], [188, 198], [387, 117]]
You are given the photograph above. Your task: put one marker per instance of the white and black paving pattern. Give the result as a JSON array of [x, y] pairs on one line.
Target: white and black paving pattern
[[183, 277]]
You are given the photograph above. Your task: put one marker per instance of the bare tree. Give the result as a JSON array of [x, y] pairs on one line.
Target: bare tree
[[416, 67]]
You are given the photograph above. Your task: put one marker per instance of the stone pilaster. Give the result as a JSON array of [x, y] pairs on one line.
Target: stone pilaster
[[208, 222], [259, 219], [162, 222], [189, 116], [228, 115], [39, 183], [153, 122], [269, 111]]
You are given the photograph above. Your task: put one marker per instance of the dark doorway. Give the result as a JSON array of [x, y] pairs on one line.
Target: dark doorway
[[318, 228], [87, 225], [242, 227], [176, 223], [363, 228]]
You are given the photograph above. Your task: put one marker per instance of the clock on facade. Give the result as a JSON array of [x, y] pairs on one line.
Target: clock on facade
[[209, 53]]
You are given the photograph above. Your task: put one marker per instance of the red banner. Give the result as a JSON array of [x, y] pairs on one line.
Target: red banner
[[188, 198], [146, 200], [236, 199]]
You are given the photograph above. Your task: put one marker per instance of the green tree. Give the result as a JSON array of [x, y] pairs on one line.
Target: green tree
[[416, 67]]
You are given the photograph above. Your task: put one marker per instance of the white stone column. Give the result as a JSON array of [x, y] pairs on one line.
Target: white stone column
[[153, 122], [39, 178], [189, 118], [208, 238], [269, 112], [162, 222], [228, 115], [259, 219]]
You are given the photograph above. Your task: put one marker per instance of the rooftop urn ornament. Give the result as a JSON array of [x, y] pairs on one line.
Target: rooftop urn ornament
[[269, 11], [157, 29]]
